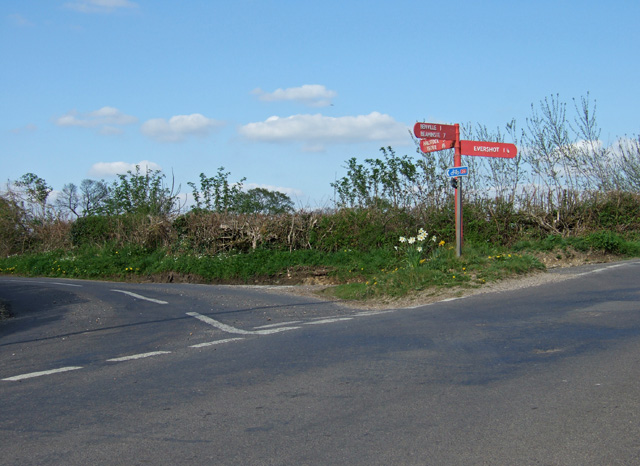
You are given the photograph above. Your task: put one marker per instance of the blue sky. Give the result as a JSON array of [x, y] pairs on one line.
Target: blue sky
[[284, 92]]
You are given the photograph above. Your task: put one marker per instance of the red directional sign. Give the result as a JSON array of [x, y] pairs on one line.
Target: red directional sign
[[434, 131], [433, 145], [488, 149]]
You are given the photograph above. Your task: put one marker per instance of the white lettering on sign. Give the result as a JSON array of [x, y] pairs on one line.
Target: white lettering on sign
[[485, 149], [430, 134], [428, 126]]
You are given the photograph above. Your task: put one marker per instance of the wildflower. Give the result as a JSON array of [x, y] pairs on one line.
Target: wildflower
[[441, 243], [419, 248], [403, 239], [411, 240], [434, 238]]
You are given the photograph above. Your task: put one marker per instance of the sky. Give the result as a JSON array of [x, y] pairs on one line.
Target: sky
[[283, 93]]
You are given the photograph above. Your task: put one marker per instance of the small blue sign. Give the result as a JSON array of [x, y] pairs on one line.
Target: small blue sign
[[457, 171]]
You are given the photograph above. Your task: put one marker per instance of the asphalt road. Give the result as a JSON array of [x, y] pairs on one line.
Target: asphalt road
[[111, 373]]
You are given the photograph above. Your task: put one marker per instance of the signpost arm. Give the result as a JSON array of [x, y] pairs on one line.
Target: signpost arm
[[457, 162]]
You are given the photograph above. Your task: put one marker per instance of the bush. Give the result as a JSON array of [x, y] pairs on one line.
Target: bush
[[619, 211], [14, 234], [95, 229], [606, 241]]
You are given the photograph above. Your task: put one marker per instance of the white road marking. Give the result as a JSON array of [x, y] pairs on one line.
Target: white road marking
[[230, 329], [280, 324], [46, 283], [602, 269], [373, 313], [217, 342], [135, 295], [138, 356], [327, 321], [38, 374]]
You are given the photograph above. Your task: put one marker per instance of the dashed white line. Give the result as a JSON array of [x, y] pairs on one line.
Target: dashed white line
[[281, 324], [328, 321], [135, 295], [46, 283], [230, 329], [373, 313], [40, 373], [216, 342], [601, 269], [138, 356]]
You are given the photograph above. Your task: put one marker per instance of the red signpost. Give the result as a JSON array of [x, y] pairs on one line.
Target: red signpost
[[434, 131], [435, 137], [488, 149], [433, 145]]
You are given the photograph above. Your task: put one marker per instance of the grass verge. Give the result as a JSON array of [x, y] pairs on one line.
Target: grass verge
[[380, 273]]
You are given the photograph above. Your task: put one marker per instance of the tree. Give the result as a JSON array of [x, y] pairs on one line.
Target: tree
[[34, 191], [392, 181], [216, 194], [88, 199], [140, 193], [261, 200]]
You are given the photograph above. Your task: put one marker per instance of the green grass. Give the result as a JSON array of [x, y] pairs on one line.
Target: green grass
[[476, 267], [378, 273], [123, 263]]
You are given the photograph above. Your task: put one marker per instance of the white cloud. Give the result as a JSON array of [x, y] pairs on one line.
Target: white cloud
[[317, 130], [315, 95], [101, 169], [106, 119], [99, 6], [180, 126]]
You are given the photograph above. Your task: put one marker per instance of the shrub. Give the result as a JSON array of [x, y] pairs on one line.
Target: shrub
[[14, 234], [95, 229], [606, 241], [619, 211]]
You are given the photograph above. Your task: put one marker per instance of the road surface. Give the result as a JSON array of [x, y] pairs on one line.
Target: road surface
[[113, 373]]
